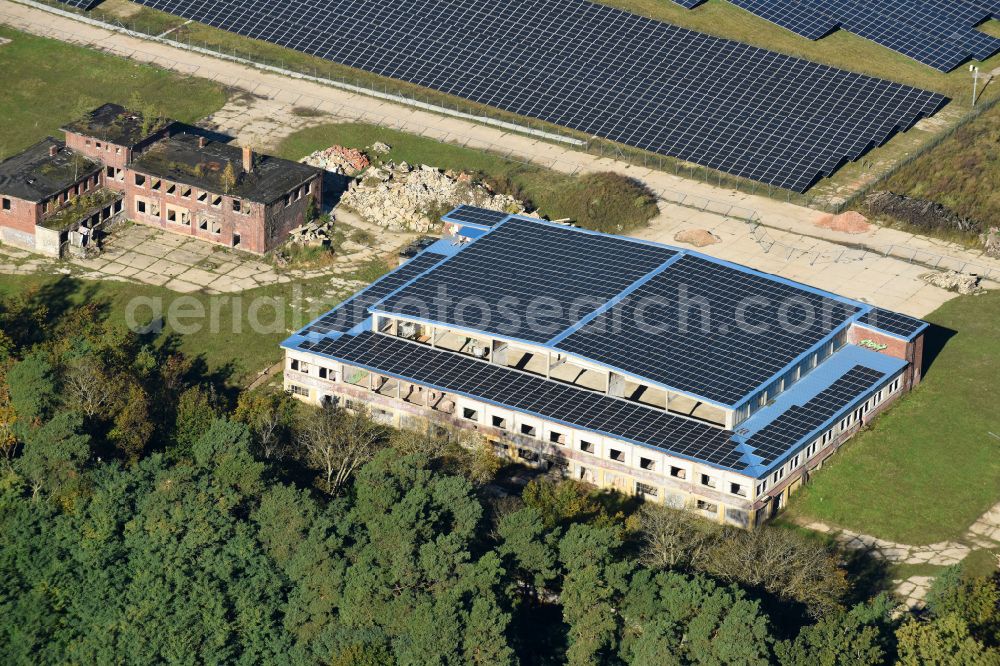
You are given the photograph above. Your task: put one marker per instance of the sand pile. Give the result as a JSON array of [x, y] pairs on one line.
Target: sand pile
[[851, 222], [696, 237]]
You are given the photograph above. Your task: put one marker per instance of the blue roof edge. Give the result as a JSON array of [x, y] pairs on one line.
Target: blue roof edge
[[846, 358]]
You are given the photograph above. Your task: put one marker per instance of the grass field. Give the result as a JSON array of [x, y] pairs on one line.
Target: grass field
[[929, 467], [231, 348], [718, 17], [46, 83], [591, 202], [962, 172]]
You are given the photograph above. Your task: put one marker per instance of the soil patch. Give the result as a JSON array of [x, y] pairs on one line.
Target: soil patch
[[851, 222]]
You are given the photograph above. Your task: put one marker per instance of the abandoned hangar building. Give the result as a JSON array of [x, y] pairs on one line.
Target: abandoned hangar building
[[653, 370], [116, 164]]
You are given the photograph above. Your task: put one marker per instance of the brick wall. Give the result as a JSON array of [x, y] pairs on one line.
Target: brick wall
[[911, 352], [20, 218], [108, 154], [222, 224], [285, 218], [17, 223]]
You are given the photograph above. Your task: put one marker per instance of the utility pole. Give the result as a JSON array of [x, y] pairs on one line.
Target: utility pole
[[975, 83]]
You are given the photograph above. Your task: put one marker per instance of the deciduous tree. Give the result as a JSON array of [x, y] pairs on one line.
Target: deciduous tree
[[337, 442]]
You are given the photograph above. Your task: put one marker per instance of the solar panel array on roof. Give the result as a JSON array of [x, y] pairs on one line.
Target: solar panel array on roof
[[939, 33], [602, 71], [475, 215], [709, 329], [892, 322], [527, 280], [589, 410], [352, 312], [797, 422]]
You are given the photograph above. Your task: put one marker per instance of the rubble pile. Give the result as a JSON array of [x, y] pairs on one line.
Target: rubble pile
[[991, 242], [412, 198], [338, 159], [963, 283], [312, 234]]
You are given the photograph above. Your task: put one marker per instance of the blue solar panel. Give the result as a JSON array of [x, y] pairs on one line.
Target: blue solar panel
[[353, 311], [527, 280], [479, 216], [81, 4], [806, 17], [939, 33], [709, 329], [602, 71], [797, 422], [892, 322]]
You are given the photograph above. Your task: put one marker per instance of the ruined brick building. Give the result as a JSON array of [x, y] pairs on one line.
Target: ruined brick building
[[116, 163]]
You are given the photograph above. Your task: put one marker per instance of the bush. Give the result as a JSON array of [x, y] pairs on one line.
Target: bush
[[607, 202], [362, 237]]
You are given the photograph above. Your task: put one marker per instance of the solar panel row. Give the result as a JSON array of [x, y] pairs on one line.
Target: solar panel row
[[939, 33], [776, 438], [81, 4], [475, 215], [892, 322], [454, 372], [527, 280], [710, 330], [353, 311], [602, 71]]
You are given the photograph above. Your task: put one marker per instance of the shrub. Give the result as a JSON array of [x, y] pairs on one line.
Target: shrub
[[607, 202]]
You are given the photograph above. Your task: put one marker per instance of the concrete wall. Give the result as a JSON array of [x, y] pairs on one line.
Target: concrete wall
[[47, 241], [602, 461], [579, 454]]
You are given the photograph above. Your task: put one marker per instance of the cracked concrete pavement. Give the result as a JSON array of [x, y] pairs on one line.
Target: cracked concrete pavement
[[982, 534]]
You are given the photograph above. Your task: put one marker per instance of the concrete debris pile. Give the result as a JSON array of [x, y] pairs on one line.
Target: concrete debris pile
[[963, 283], [991, 242], [401, 197], [312, 234], [338, 159], [919, 213]]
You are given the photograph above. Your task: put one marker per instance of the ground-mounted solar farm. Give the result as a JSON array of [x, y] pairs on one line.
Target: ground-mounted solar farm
[[940, 33], [607, 73], [790, 132]]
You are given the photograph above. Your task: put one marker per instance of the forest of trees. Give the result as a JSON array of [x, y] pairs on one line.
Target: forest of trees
[[151, 514]]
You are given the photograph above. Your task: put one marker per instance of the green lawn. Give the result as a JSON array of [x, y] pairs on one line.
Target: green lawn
[[231, 347], [929, 467], [592, 201], [44, 83]]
